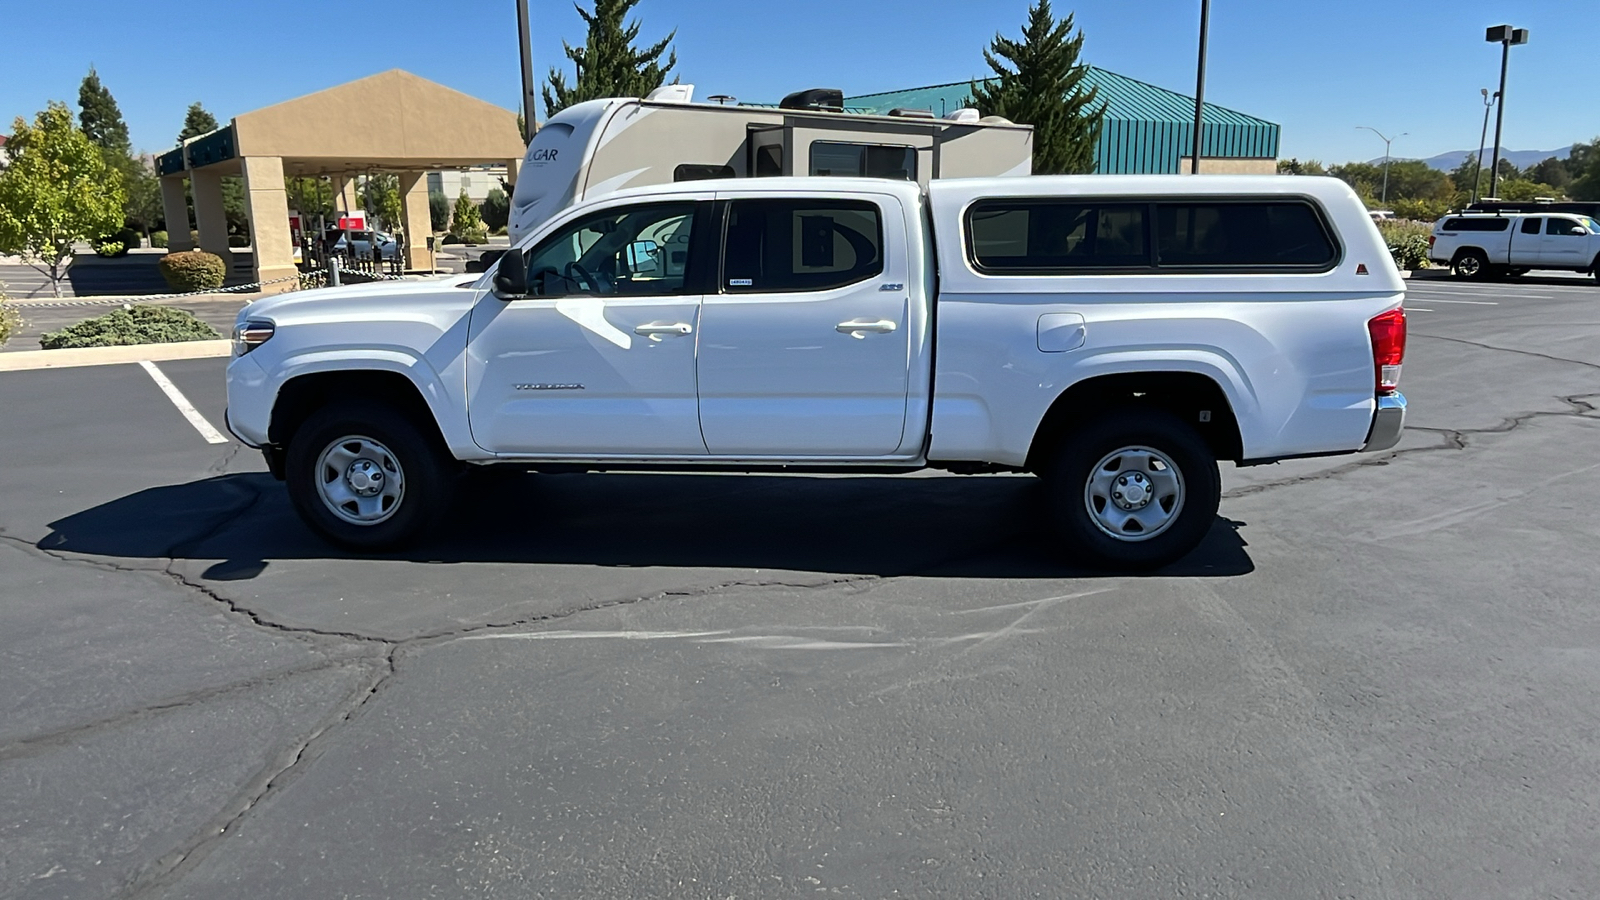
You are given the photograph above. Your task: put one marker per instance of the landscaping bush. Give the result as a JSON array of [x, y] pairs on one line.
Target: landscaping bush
[[438, 210], [110, 249], [158, 239], [238, 240], [131, 325], [10, 319], [496, 210], [1407, 241], [193, 270]]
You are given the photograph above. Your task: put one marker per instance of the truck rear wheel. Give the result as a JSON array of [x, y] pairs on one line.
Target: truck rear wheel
[[1472, 264], [1134, 490], [365, 478]]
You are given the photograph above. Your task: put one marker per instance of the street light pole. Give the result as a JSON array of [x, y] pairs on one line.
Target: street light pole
[[1386, 142], [1200, 88], [1505, 36], [1483, 136], [523, 47]]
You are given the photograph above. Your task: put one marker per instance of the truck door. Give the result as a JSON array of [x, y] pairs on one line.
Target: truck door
[[804, 348], [1527, 243], [599, 358], [1561, 248]]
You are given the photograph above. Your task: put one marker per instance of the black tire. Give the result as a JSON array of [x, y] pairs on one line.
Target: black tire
[[1079, 458], [1594, 269], [415, 454], [1473, 264]]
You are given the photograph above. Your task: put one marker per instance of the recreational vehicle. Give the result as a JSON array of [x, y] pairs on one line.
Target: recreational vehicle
[[595, 148]]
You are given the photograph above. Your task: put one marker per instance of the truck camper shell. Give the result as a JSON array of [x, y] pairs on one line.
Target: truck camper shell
[[594, 148]]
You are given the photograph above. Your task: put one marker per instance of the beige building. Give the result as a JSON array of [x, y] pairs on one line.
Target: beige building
[[391, 122]]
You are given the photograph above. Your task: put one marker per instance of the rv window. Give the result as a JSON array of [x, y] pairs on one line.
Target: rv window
[[800, 245], [1242, 234], [701, 172], [635, 250], [869, 160], [1047, 236]]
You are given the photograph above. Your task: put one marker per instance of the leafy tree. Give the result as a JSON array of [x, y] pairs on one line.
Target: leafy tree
[[311, 196], [57, 190], [1551, 171], [467, 219], [100, 117], [143, 209], [1043, 87], [381, 197], [608, 65], [197, 122], [1469, 175], [1296, 167], [1585, 166], [496, 209]]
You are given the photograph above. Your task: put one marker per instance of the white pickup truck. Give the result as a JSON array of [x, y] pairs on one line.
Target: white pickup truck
[[1116, 335], [1484, 245]]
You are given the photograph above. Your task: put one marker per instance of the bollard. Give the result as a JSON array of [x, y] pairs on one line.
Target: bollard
[[333, 270]]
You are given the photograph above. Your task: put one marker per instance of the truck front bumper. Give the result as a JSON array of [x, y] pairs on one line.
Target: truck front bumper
[[1387, 423]]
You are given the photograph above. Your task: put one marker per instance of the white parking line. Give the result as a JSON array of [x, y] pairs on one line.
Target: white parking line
[[199, 422], [1417, 309], [1467, 302]]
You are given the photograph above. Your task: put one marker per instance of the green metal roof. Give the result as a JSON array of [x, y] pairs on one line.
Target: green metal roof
[[1147, 128]]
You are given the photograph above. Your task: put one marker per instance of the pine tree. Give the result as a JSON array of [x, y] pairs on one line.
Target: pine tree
[[608, 65], [467, 223], [1043, 87], [197, 122], [100, 118]]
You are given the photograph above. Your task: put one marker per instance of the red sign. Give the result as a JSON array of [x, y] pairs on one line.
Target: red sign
[[354, 221]]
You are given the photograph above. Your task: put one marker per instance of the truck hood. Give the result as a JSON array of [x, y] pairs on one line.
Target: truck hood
[[361, 301]]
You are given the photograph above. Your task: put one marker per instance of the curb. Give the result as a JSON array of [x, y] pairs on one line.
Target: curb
[[27, 360]]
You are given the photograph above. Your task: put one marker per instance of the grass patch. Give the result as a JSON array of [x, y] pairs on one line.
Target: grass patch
[[131, 325]]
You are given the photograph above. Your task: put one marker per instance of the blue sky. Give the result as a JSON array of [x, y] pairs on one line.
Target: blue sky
[[1318, 68]]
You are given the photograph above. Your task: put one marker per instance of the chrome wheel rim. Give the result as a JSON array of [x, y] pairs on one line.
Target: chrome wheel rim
[[359, 480], [1134, 493], [1468, 266]]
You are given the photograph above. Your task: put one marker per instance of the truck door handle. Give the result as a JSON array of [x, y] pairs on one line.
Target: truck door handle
[[657, 330], [858, 328]]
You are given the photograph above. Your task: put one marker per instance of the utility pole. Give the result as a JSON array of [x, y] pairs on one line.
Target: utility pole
[[529, 101], [1200, 88], [1505, 36], [1483, 137]]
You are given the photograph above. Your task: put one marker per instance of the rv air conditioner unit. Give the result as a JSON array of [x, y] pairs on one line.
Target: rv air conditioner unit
[[829, 99], [965, 115], [906, 112]]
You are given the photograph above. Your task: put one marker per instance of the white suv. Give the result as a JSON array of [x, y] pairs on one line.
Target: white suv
[[1478, 245]]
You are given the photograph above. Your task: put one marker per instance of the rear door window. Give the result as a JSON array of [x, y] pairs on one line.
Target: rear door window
[[1530, 226], [800, 244]]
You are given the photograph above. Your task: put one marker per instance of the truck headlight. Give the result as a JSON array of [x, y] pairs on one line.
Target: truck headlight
[[251, 334]]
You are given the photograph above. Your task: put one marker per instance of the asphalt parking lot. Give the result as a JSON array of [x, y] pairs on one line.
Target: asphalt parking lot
[[1377, 678]]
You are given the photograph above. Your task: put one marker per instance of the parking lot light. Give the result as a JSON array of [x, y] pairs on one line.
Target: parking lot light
[[1506, 37]]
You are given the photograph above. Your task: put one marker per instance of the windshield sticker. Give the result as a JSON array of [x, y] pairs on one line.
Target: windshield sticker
[[740, 282]]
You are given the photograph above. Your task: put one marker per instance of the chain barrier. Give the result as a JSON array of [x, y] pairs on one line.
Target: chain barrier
[[307, 280]]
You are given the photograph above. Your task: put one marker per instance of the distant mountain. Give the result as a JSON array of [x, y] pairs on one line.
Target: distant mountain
[[1522, 159]]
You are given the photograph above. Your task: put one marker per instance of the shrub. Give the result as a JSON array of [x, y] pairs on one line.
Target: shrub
[[238, 240], [110, 249], [193, 270], [10, 319], [467, 220], [158, 239], [131, 325], [1410, 252], [438, 211], [130, 238], [496, 210]]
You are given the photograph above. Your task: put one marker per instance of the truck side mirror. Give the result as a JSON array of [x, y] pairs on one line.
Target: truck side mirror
[[511, 277], [1578, 229]]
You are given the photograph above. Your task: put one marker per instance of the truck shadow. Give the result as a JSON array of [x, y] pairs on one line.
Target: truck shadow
[[962, 527]]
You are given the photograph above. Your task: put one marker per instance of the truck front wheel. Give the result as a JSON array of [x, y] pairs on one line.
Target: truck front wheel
[[365, 478], [1134, 490]]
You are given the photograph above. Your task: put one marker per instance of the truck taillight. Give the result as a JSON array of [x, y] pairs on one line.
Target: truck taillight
[[1388, 332], [1430, 240]]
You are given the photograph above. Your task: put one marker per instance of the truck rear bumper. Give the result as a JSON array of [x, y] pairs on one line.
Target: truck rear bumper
[[1387, 423]]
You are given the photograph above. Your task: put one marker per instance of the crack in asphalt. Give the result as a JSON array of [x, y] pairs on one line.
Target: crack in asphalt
[[1453, 439], [1483, 346]]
